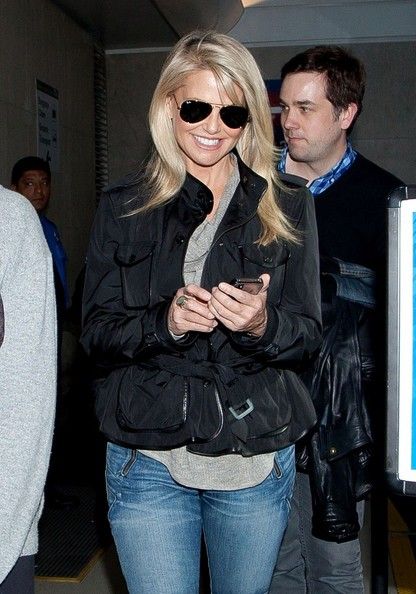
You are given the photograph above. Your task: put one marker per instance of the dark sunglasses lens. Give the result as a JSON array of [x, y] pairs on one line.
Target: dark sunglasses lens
[[194, 111], [234, 116]]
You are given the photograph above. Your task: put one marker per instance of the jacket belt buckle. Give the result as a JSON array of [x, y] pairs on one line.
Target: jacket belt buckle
[[246, 407]]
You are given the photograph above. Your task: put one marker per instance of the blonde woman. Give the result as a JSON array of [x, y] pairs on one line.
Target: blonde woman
[[196, 385]]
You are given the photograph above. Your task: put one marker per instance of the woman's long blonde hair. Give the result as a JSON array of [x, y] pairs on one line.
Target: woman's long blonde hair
[[232, 64]]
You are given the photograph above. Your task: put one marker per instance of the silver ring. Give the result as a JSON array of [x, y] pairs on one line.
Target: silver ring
[[181, 300]]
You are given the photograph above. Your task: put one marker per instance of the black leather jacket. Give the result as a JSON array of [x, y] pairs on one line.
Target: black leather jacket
[[219, 393], [342, 385]]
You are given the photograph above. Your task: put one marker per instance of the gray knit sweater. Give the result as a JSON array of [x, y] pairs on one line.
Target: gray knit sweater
[[27, 375]]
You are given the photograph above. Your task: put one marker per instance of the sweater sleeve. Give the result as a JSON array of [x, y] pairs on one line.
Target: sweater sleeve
[[28, 378]]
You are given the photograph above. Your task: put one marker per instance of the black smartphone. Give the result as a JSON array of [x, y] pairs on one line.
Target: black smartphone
[[251, 285]]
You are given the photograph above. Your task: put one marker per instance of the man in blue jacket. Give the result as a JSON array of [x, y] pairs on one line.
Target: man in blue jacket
[[31, 177]]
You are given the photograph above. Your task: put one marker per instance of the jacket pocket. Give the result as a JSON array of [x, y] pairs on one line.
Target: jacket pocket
[[135, 261], [152, 401], [266, 257], [271, 259]]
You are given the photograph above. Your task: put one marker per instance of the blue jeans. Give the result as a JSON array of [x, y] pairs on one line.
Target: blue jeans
[[157, 526], [21, 577]]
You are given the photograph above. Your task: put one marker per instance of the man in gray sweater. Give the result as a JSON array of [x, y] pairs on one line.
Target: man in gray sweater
[[27, 386]]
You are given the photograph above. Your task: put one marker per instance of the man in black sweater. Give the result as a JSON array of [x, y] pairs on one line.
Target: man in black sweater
[[321, 98]]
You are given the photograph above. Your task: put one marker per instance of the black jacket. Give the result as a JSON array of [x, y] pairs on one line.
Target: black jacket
[[349, 386], [343, 386], [218, 393]]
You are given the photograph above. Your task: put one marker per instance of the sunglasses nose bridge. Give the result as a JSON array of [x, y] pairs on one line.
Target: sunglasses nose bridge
[[212, 121]]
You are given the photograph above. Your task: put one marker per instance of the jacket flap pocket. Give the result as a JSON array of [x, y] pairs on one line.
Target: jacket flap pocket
[[266, 257], [135, 261], [142, 404], [133, 253]]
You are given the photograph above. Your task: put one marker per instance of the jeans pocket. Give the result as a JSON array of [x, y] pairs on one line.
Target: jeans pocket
[[284, 463], [276, 469], [120, 462], [129, 463]]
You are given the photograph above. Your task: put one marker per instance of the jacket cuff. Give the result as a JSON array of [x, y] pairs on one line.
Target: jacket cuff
[[262, 344], [162, 334]]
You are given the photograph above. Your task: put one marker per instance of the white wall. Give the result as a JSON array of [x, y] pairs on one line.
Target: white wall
[[386, 129], [38, 41]]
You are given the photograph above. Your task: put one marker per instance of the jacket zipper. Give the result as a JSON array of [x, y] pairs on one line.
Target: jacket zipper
[[217, 239], [185, 401], [221, 413]]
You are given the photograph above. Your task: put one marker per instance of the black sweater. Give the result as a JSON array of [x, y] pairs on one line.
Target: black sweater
[[351, 214]]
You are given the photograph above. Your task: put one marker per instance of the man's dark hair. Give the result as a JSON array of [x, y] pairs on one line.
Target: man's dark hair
[[29, 164], [344, 74]]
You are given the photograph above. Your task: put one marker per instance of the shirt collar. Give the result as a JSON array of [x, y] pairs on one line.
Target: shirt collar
[[320, 184]]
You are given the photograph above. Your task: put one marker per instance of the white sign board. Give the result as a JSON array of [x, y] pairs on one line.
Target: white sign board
[[407, 342]]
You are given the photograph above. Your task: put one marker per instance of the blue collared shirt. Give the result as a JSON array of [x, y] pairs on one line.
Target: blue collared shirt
[[320, 184], [58, 253]]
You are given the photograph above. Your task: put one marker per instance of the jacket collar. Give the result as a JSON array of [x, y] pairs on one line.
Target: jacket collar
[[198, 197], [293, 181]]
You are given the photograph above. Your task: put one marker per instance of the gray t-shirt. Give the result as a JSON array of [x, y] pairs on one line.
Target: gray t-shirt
[[231, 471]]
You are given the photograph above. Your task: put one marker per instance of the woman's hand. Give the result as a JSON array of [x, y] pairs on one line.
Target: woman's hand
[[240, 311], [189, 311]]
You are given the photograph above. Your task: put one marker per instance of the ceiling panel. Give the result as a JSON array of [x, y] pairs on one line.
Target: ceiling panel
[[124, 23], [150, 23], [144, 24]]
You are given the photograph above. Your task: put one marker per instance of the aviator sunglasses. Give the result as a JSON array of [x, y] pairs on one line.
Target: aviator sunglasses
[[193, 111]]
